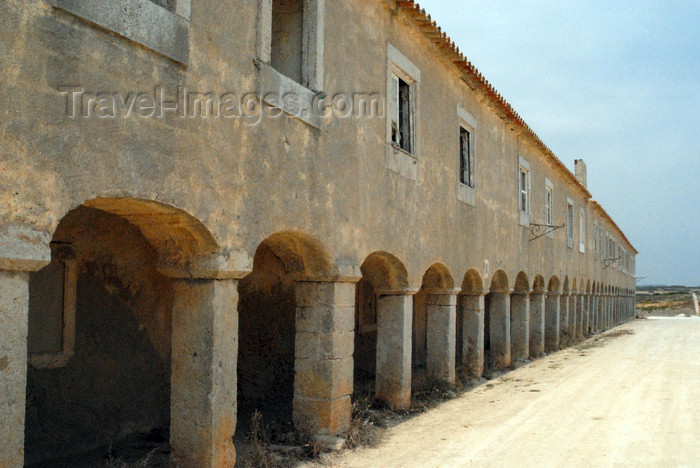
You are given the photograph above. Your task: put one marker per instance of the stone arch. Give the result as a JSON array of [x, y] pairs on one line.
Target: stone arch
[[470, 324], [497, 323], [538, 285], [434, 327], [299, 253], [382, 272], [116, 260], [472, 283], [268, 324], [537, 317], [520, 318]]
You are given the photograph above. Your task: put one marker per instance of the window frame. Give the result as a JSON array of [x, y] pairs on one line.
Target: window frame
[[549, 205], [524, 211], [398, 160], [570, 223], [135, 20], [466, 121], [582, 229]]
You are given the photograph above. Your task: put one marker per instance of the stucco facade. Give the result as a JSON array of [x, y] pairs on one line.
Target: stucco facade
[[308, 220]]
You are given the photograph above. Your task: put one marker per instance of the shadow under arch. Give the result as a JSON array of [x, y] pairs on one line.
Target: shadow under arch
[[497, 323], [434, 328], [470, 325], [267, 330], [382, 331], [520, 319], [115, 382]]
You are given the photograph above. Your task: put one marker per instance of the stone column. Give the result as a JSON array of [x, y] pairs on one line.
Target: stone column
[[441, 309], [204, 372], [499, 330], [472, 309], [323, 363], [580, 311], [537, 324], [573, 317], [564, 338], [594, 313], [14, 308], [14, 314], [586, 318], [552, 322], [519, 326], [394, 320]]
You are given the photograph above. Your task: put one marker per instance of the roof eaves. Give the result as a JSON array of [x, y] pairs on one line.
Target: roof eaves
[[435, 34]]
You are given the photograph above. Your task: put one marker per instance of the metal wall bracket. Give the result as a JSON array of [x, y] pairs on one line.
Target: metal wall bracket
[[539, 230]]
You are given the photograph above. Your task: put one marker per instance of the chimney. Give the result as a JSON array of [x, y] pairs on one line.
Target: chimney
[[580, 172]]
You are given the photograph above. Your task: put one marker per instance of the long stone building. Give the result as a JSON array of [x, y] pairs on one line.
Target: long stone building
[[210, 207]]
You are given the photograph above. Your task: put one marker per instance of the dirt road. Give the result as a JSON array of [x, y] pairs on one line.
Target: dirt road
[[630, 400]]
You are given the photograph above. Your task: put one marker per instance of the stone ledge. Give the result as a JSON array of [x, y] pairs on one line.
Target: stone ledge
[[141, 21]]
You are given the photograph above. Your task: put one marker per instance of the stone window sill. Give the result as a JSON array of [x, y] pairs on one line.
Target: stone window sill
[[402, 162], [141, 21], [275, 83], [466, 194]]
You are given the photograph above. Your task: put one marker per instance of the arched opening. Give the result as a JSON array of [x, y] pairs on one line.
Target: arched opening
[[267, 310], [520, 319], [537, 317], [101, 333], [470, 324], [434, 328], [430, 304], [552, 315], [381, 272], [497, 324]]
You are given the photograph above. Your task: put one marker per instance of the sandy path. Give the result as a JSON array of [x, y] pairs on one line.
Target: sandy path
[[632, 400]]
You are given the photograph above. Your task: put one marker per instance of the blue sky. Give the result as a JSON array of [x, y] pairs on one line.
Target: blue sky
[[617, 84]]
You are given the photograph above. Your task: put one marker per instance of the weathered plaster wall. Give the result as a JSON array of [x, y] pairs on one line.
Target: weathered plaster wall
[[118, 381]]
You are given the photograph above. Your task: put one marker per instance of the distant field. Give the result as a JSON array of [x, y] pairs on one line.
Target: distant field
[[666, 300]]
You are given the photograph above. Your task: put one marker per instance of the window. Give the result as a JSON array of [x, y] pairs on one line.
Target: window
[[466, 160], [581, 230], [524, 192], [548, 202], [524, 200], [569, 223], [467, 150], [595, 239], [290, 39], [160, 25], [402, 125], [401, 113], [286, 42]]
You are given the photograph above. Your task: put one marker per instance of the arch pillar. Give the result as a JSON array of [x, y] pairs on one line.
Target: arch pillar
[[394, 321], [537, 324], [204, 378], [578, 329], [471, 306], [442, 334], [564, 337], [552, 322], [14, 322], [519, 325], [573, 317], [323, 357]]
